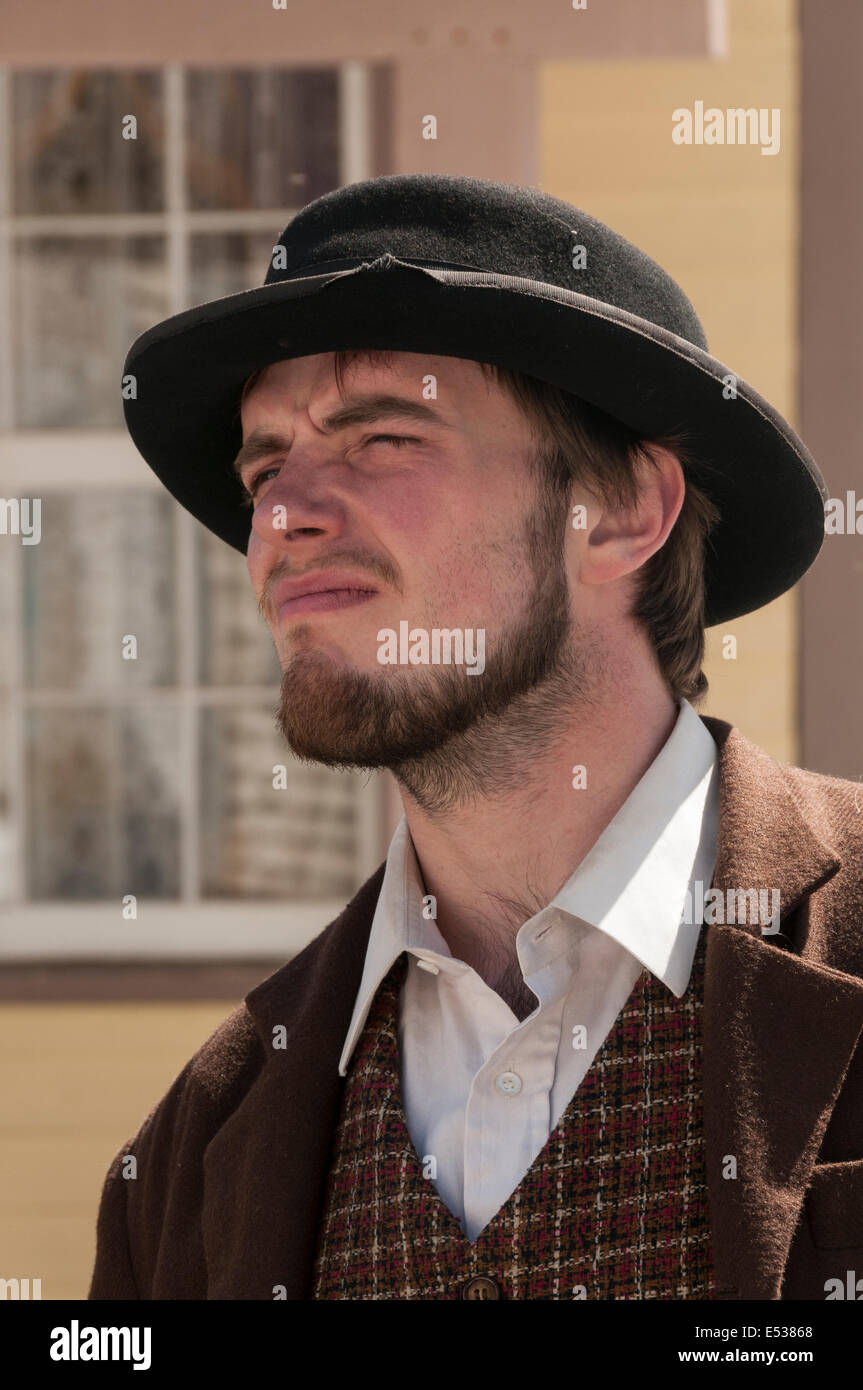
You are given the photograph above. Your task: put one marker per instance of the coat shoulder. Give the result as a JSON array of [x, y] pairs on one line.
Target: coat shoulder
[[833, 807], [217, 1077], [800, 831]]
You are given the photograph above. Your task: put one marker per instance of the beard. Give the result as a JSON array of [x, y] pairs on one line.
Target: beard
[[445, 735]]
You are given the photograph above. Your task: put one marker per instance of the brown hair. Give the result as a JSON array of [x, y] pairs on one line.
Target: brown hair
[[579, 444]]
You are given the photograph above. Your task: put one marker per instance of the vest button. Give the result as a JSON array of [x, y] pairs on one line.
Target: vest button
[[480, 1287]]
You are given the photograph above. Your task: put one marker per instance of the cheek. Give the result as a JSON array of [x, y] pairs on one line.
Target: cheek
[[464, 558], [256, 564], [409, 510], [447, 518]]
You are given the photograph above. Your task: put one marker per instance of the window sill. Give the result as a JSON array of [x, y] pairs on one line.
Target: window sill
[[151, 981]]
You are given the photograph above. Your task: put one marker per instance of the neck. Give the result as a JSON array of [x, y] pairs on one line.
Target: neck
[[500, 855]]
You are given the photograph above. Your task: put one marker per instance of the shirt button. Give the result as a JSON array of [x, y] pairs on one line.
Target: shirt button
[[480, 1287], [509, 1082]]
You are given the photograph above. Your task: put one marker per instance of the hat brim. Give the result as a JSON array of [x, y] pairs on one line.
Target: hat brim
[[189, 371]]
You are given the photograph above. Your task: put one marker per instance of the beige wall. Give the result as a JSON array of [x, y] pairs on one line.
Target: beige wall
[[723, 221], [78, 1079]]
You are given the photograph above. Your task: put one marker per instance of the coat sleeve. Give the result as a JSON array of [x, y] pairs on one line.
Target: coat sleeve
[[113, 1275], [148, 1228]]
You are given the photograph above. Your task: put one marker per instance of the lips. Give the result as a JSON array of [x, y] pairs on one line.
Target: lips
[[321, 591], [323, 600]]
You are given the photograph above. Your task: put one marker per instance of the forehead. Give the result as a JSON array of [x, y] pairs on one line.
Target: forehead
[[322, 374]]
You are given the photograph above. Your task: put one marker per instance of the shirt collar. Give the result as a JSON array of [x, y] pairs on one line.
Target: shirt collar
[[631, 885]]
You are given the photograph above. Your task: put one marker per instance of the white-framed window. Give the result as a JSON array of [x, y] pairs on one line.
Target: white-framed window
[[150, 777]]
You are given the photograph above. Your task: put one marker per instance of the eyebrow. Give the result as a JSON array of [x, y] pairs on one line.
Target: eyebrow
[[361, 410]]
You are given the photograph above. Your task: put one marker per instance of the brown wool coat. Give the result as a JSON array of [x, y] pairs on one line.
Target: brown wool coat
[[231, 1164]]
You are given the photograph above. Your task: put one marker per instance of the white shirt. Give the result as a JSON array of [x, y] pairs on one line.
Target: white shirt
[[482, 1092]]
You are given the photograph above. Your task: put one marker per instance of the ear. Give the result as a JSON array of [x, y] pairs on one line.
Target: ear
[[623, 538]]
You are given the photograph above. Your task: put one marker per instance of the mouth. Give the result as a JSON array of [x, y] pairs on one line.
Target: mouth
[[323, 601]]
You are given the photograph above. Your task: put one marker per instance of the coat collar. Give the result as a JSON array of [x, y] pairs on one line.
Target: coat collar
[[771, 1073]]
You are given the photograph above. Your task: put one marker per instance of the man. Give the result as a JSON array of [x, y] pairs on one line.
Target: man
[[593, 1029]]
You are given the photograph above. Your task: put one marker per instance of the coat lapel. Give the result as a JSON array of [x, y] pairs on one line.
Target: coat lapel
[[780, 1024], [265, 1170]]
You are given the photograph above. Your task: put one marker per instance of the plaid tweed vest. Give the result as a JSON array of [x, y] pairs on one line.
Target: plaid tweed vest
[[613, 1207]]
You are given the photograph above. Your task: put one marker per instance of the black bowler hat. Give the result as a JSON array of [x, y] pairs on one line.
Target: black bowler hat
[[463, 267]]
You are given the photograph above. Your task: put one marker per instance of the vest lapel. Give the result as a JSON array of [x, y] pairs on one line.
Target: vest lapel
[[779, 1029]]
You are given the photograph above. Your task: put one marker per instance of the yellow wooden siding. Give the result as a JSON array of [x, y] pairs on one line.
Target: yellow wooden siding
[[78, 1080]]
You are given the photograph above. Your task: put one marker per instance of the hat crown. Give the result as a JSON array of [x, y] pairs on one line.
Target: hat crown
[[477, 224]]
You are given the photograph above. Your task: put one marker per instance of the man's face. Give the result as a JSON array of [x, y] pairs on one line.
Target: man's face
[[448, 529]]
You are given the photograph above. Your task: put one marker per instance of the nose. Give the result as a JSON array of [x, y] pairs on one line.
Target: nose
[[297, 504]]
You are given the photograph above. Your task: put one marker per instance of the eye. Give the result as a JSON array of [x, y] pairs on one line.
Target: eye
[[396, 439], [254, 483]]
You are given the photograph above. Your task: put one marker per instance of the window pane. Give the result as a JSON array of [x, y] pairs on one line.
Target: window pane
[[261, 139], [69, 154], [298, 842], [78, 304], [236, 647], [227, 263], [103, 572], [103, 814]]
